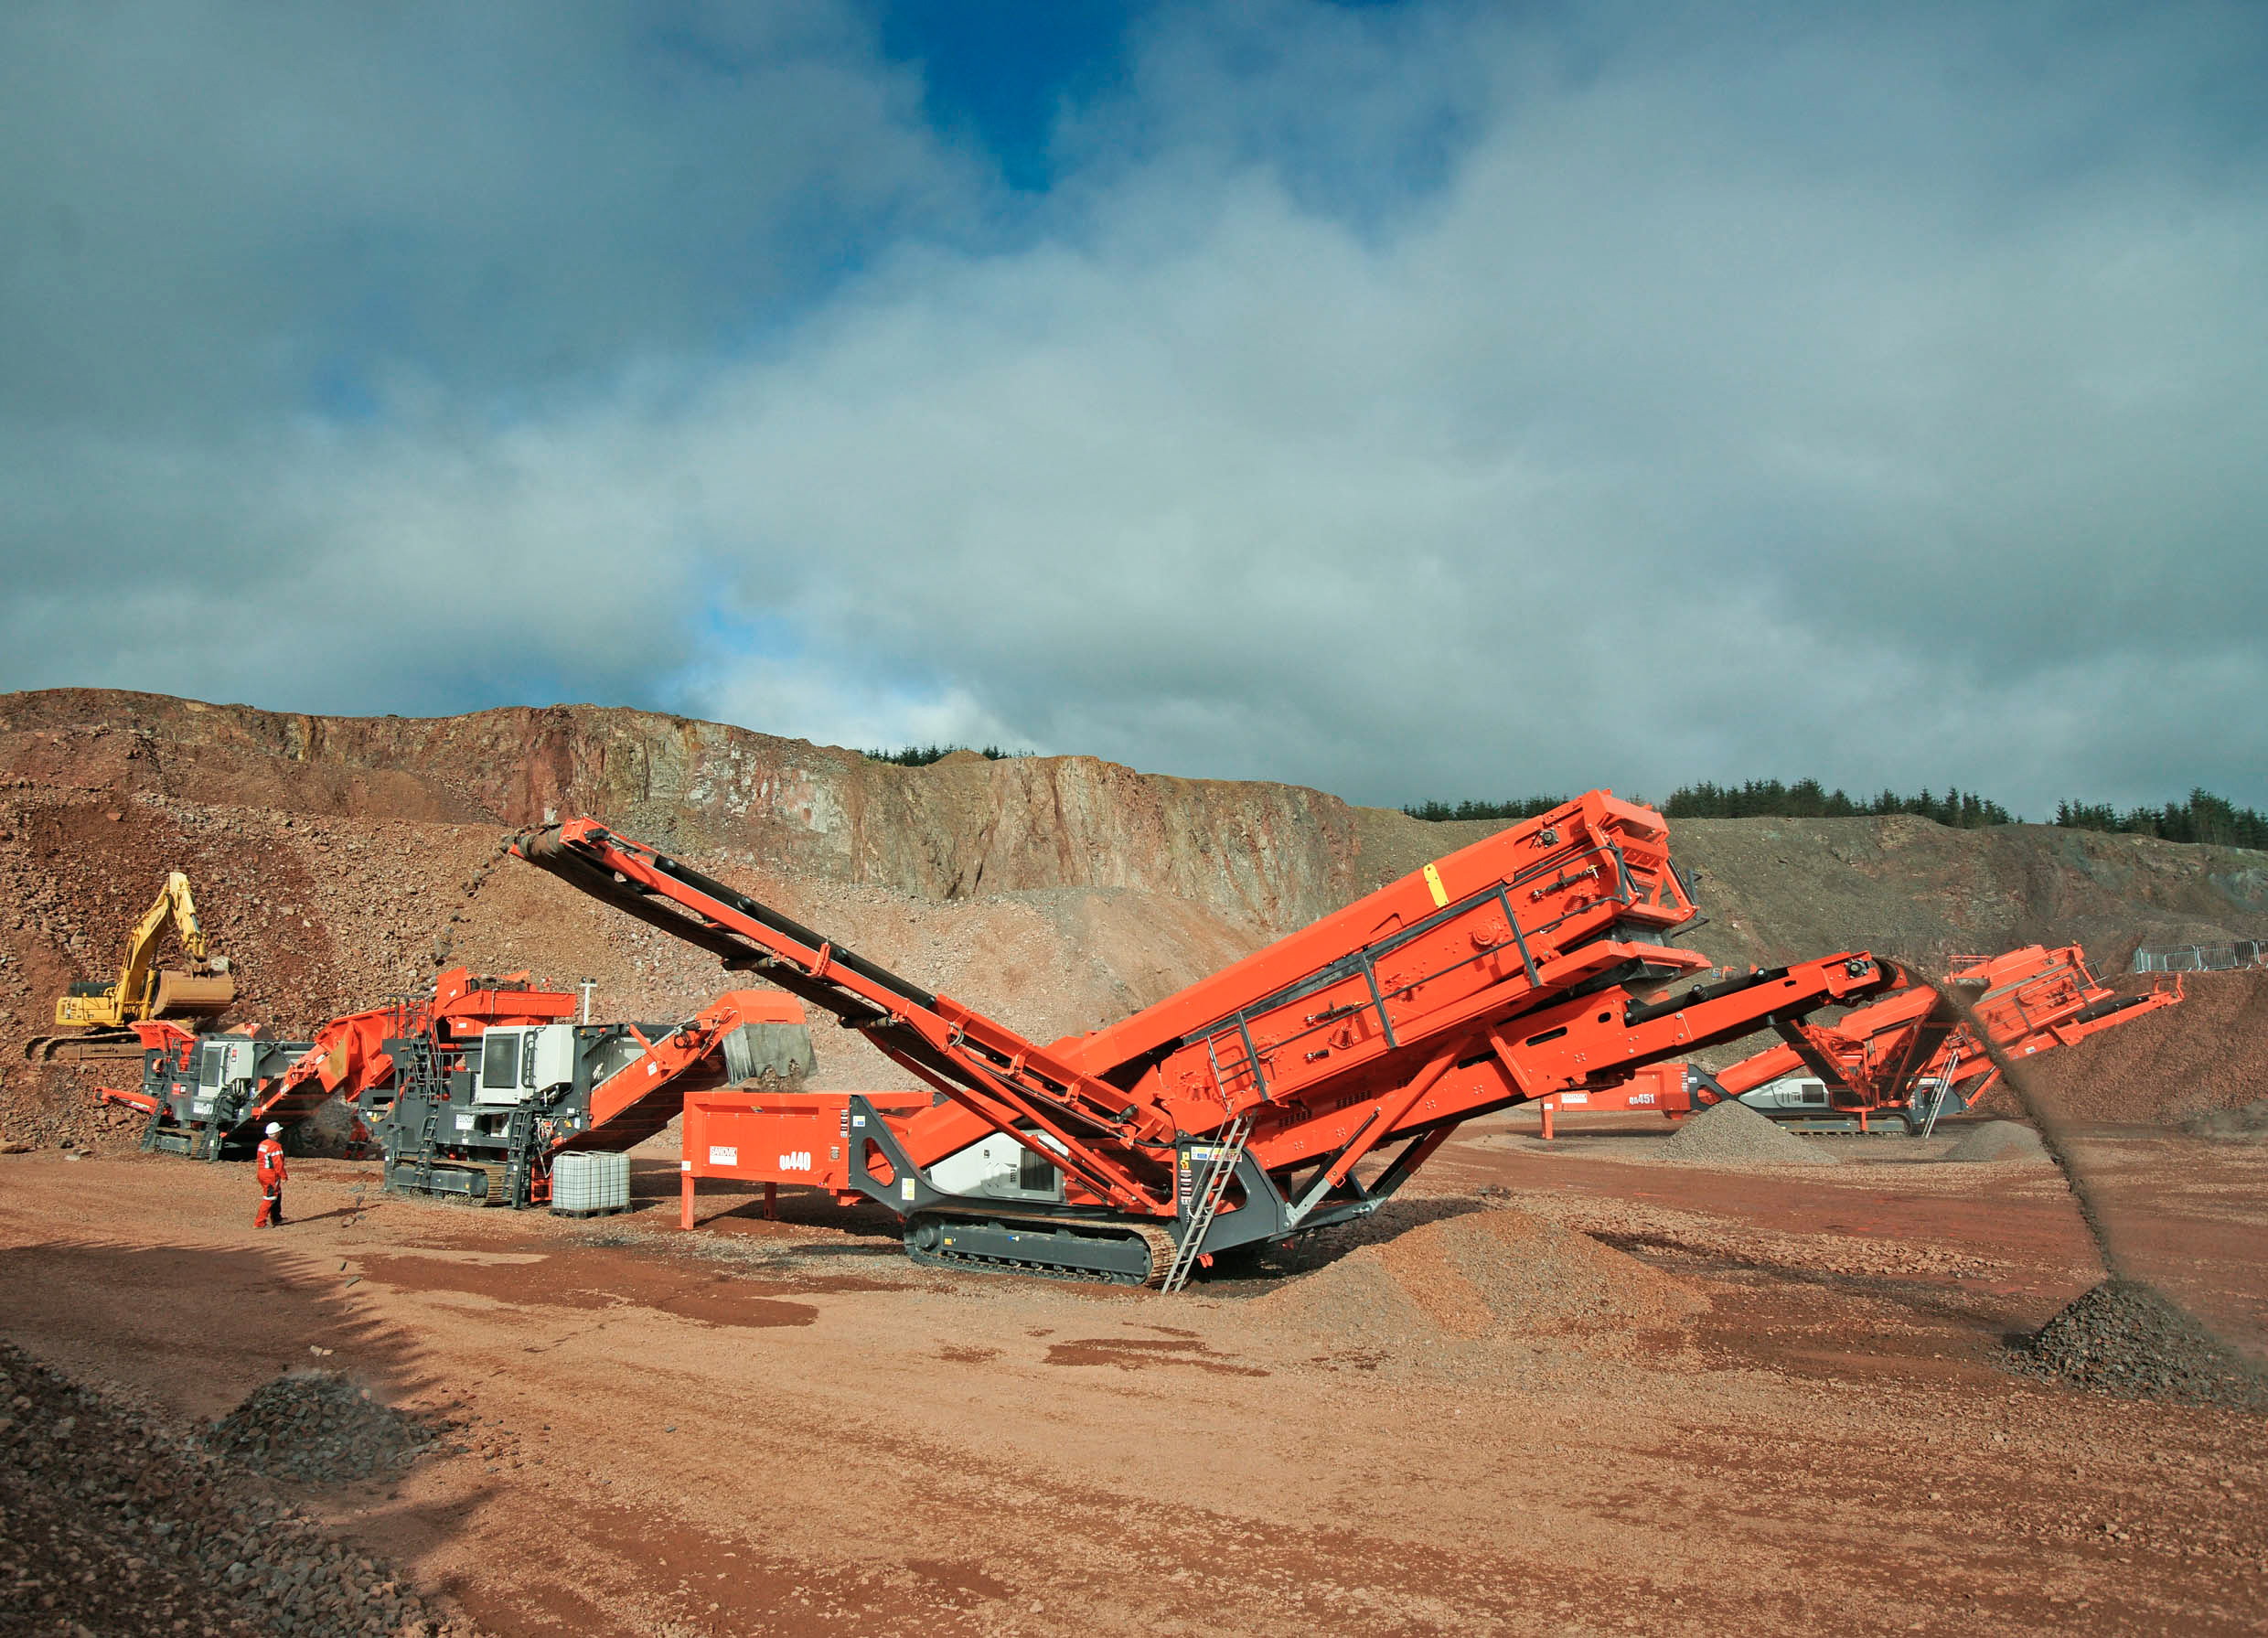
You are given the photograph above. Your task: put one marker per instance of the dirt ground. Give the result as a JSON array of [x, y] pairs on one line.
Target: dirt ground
[[1769, 1400]]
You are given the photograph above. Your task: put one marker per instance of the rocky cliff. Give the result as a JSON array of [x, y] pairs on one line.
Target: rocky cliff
[[337, 858]]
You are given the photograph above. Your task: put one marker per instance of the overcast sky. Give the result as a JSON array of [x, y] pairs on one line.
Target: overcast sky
[[1411, 400]]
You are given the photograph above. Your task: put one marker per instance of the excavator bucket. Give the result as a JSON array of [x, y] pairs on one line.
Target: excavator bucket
[[194, 995]]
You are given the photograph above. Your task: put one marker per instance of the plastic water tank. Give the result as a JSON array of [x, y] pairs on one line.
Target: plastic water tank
[[590, 1182]]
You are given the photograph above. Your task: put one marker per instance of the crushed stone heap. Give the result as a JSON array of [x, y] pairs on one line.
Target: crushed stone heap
[[1495, 1273], [2125, 1337], [1999, 1140], [318, 1427], [1732, 1134], [111, 1520]]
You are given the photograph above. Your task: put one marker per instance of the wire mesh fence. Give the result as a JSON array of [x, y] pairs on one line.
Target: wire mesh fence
[[2203, 958]]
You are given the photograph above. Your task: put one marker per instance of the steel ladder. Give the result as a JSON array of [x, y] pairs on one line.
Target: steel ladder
[[1205, 1201]]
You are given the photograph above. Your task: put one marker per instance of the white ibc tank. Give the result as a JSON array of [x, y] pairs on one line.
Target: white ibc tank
[[590, 1182]]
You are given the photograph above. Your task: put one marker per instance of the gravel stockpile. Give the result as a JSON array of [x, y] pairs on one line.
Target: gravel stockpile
[[318, 1427], [2247, 1125], [1999, 1140], [2125, 1338], [1486, 1274], [1732, 1134], [111, 1523]]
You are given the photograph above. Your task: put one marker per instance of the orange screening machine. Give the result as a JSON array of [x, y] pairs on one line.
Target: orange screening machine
[[1909, 1055], [1239, 1110]]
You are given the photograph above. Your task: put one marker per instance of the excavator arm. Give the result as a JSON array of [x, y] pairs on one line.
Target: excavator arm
[[128, 996], [140, 992]]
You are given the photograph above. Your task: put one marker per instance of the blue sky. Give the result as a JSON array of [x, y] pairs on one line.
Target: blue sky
[[1000, 74], [1413, 400]]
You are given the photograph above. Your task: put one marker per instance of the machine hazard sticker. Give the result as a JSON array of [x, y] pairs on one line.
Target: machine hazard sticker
[[722, 1155]]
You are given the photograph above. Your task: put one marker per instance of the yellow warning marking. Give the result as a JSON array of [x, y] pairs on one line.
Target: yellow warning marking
[[1433, 880]]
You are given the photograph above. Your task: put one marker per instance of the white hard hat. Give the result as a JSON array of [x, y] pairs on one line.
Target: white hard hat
[[273, 1129]]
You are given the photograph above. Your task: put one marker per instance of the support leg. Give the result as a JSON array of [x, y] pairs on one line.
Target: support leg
[[685, 1198], [1550, 1105], [771, 1202]]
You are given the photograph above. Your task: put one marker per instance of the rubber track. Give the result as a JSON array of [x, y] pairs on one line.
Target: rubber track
[[1161, 1246]]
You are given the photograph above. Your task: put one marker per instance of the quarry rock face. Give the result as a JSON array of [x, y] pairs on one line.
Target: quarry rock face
[[1275, 854], [337, 860]]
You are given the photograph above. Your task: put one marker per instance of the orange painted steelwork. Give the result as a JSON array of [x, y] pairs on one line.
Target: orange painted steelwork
[[1897, 1053], [774, 1138], [348, 1058], [1499, 974]]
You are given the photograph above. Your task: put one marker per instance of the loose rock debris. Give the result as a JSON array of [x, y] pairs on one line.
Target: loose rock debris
[[318, 1427], [1999, 1140], [111, 1523], [1497, 1273], [2125, 1337], [1734, 1134]]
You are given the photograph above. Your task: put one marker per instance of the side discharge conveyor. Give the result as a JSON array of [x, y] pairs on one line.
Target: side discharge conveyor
[[1911, 1058]]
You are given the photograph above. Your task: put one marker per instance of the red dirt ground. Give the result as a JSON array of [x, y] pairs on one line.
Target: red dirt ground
[[784, 1426]]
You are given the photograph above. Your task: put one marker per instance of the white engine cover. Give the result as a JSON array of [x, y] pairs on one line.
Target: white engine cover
[[998, 1168], [518, 1060]]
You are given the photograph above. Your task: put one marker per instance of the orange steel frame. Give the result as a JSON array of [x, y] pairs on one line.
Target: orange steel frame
[[1496, 975], [773, 1137], [348, 1058], [1881, 1056]]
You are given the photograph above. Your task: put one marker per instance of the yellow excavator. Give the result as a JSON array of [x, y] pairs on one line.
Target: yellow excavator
[[104, 1013]]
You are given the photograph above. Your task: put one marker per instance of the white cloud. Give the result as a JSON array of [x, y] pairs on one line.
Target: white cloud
[[1872, 402]]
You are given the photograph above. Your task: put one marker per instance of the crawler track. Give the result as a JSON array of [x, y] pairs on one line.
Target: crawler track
[[1020, 1243]]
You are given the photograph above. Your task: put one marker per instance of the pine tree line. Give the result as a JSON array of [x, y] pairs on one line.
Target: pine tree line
[[2203, 817], [921, 756], [1758, 798], [1521, 808], [1807, 798]]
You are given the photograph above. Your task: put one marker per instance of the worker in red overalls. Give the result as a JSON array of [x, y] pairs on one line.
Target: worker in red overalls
[[268, 1161]]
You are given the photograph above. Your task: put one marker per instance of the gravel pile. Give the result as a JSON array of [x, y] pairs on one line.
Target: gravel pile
[[318, 1427], [1999, 1140], [1496, 1274], [1732, 1134], [2247, 1125], [2125, 1338], [111, 1522]]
